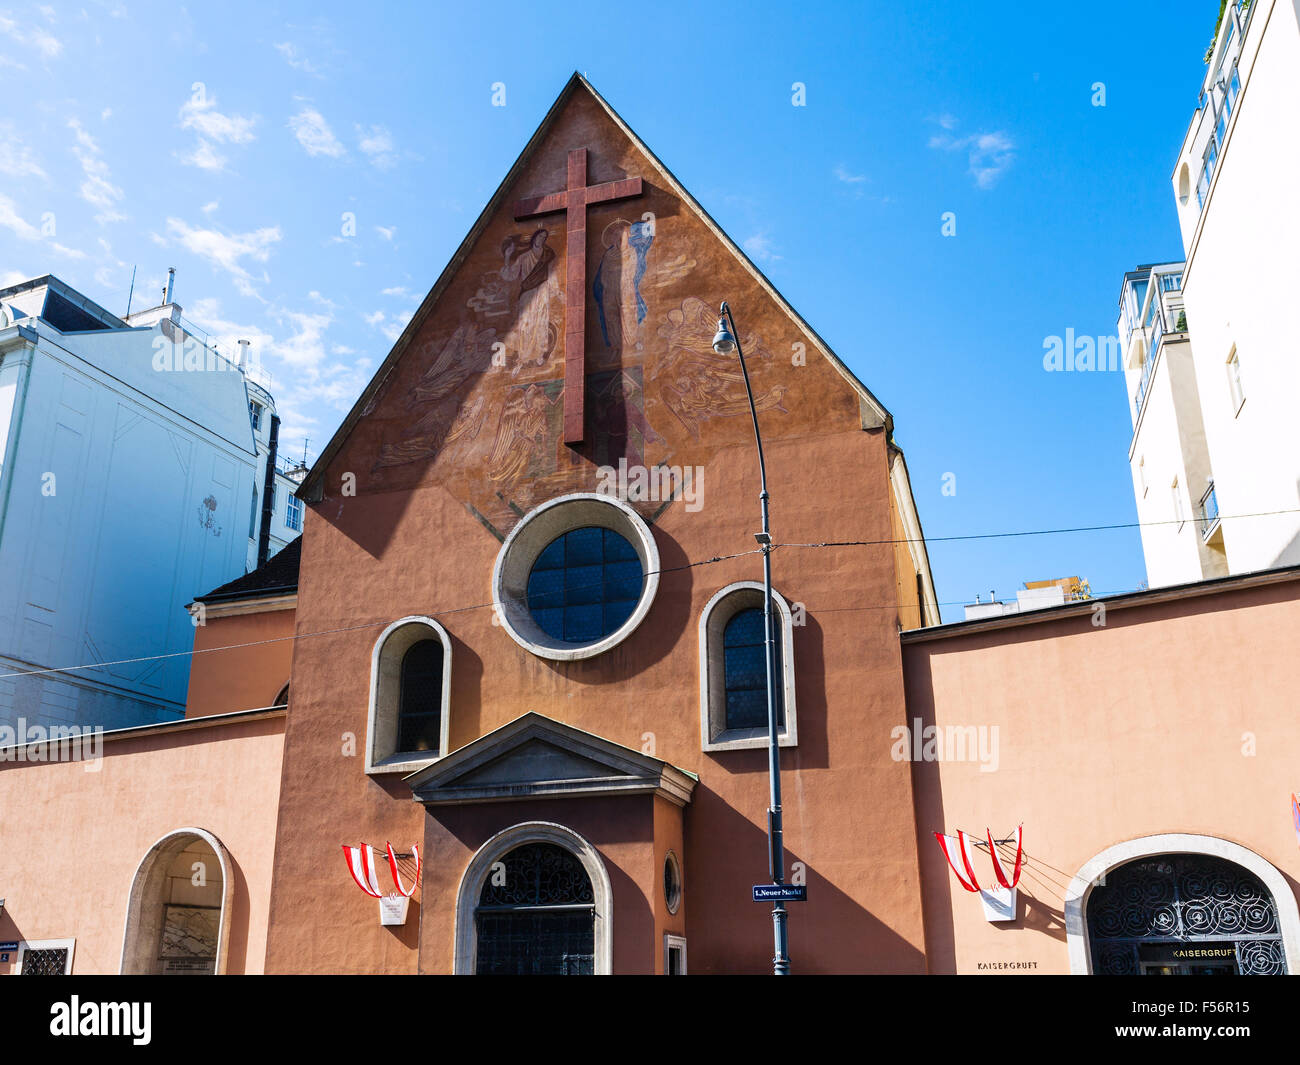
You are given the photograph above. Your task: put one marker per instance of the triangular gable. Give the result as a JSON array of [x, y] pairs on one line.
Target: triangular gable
[[874, 414], [535, 757]]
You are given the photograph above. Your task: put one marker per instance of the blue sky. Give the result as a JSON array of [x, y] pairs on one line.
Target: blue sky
[[229, 140]]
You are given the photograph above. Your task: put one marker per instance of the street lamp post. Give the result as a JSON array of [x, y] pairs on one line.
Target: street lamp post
[[724, 343]]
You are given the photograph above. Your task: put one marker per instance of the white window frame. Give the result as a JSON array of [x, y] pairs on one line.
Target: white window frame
[[535, 532], [714, 734], [45, 944], [1235, 390], [385, 689], [1179, 516], [293, 508], [672, 942]]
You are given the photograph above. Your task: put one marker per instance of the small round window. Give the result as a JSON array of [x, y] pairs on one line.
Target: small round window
[[584, 585], [672, 883]]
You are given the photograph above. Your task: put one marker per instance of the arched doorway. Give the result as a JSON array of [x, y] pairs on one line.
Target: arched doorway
[[535, 915], [178, 910], [1181, 905], [535, 900]]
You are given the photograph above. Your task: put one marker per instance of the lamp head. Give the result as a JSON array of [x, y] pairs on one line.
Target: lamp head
[[723, 342]]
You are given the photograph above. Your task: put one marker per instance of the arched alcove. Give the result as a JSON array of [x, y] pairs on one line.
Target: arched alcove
[[178, 910]]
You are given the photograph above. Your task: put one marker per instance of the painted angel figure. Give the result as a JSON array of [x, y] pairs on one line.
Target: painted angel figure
[[528, 262]]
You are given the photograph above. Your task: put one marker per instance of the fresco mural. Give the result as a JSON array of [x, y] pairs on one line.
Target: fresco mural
[[617, 286], [486, 411]]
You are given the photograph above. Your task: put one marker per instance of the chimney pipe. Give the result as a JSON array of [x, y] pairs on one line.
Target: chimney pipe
[[171, 283], [243, 355]]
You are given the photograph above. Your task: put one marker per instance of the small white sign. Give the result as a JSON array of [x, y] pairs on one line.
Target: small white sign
[[999, 904], [392, 909]]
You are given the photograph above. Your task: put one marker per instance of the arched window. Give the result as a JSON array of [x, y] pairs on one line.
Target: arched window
[[178, 912], [535, 915], [410, 692], [535, 899], [744, 647], [1180, 903], [733, 673], [419, 714]]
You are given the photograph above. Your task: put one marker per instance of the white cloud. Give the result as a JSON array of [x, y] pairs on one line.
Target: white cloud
[[209, 207], [11, 220], [98, 189], [377, 144], [202, 116], [842, 174], [375, 318], [760, 247], [227, 251], [205, 157], [38, 37], [13, 277], [290, 52], [314, 134], [387, 232], [16, 159], [398, 290], [394, 328], [989, 154], [199, 113]]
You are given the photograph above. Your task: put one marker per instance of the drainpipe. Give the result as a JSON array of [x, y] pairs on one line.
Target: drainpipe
[[268, 493]]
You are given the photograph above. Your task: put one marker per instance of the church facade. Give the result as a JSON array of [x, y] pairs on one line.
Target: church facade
[[518, 652]]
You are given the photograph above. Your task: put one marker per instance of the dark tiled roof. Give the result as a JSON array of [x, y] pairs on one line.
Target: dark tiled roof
[[278, 575]]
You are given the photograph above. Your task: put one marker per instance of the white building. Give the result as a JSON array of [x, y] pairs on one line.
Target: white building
[[1235, 184], [1210, 354], [1035, 595], [129, 467], [1173, 479]]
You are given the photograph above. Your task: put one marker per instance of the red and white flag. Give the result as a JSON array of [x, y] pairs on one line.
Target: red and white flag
[[397, 879], [998, 870], [361, 864], [955, 848]]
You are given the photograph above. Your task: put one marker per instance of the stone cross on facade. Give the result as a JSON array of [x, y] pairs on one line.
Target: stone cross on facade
[[573, 200]]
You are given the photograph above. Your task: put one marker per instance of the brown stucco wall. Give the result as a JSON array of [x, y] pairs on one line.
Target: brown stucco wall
[[1106, 733], [621, 828], [71, 840], [420, 536], [241, 662]]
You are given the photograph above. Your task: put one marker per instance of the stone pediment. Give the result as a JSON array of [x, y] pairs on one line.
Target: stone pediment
[[535, 757]]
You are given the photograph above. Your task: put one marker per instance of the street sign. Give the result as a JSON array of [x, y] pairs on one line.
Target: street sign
[[9, 946], [780, 893]]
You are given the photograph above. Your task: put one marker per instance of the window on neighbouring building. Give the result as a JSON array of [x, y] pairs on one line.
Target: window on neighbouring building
[[293, 514], [255, 412], [1234, 380], [252, 518]]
